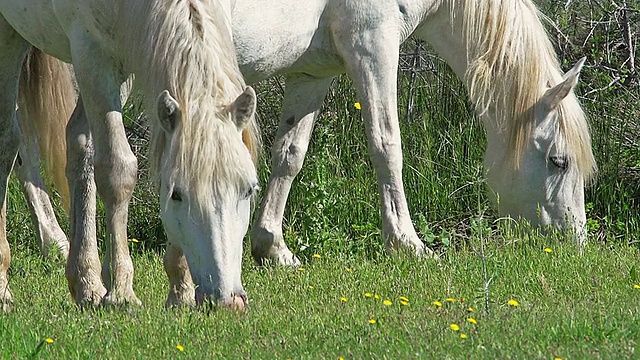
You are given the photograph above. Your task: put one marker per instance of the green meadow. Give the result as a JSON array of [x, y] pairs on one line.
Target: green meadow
[[496, 292]]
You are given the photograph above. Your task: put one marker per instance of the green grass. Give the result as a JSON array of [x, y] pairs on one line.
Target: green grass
[[570, 306]]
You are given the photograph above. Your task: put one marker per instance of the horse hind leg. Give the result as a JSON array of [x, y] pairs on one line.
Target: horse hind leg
[[302, 101], [12, 51], [27, 170]]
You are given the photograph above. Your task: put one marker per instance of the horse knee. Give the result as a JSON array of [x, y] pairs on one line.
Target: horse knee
[[289, 159], [116, 176]]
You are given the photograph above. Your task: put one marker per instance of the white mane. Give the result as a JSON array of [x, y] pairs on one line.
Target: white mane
[[502, 38], [204, 79]]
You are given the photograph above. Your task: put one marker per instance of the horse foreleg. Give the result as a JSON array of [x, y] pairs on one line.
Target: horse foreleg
[[372, 62], [83, 264], [302, 100], [27, 169], [181, 287]]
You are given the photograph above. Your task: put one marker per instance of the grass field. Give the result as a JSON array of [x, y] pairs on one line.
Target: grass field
[[570, 306]]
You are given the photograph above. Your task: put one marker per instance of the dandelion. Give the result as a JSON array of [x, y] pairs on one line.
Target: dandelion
[[311, 287], [134, 240], [372, 321], [514, 303], [368, 294], [317, 256], [472, 320], [180, 347], [347, 269], [463, 336], [404, 303], [48, 340], [340, 358], [558, 358], [451, 300], [343, 299], [404, 298], [376, 296], [470, 309], [300, 269], [454, 327], [636, 286], [437, 303], [548, 250], [357, 106]]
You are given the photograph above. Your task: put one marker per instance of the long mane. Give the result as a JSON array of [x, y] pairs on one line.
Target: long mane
[[186, 48], [510, 60]]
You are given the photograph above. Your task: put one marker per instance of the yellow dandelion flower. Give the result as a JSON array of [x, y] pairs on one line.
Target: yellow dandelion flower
[[340, 358], [470, 309], [404, 298], [548, 250], [134, 240], [437, 303], [48, 340], [347, 269], [463, 336], [311, 287], [180, 347], [404, 303], [357, 106], [558, 358], [514, 303], [300, 269], [387, 302], [451, 300], [368, 294], [343, 299], [454, 327], [376, 296], [472, 320], [636, 286], [317, 256], [372, 321]]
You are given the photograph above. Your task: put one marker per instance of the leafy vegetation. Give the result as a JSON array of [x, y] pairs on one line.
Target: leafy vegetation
[[569, 305]]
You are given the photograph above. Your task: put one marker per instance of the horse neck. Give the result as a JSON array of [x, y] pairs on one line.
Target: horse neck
[[183, 47]]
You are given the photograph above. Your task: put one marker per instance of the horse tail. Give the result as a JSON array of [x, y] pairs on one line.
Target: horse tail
[[46, 99]]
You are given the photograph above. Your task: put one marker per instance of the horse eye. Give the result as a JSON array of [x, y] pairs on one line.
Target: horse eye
[[561, 162], [175, 195], [251, 190]]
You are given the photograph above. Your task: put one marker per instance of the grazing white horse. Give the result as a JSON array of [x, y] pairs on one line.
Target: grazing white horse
[[182, 54], [539, 149]]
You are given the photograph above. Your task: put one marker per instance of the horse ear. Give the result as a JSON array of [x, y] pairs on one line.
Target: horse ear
[[554, 95], [168, 111], [243, 108]]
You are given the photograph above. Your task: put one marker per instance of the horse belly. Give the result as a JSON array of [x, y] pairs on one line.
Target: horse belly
[[37, 23], [278, 37]]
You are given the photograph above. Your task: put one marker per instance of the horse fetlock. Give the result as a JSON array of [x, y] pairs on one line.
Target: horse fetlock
[[181, 295], [6, 299], [269, 247], [88, 294], [118, 298]]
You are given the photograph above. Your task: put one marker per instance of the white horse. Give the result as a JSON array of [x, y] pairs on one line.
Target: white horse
[[182, 54], [539, 148]]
